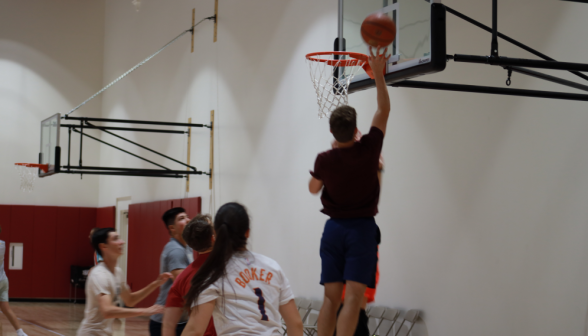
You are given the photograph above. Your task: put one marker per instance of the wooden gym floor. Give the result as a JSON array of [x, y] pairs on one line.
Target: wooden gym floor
[[54, 319]]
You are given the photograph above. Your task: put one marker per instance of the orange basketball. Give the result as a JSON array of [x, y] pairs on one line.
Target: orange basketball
[[378, 30]]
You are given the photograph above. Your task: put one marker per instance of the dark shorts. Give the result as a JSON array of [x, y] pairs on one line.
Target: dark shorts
[[349, 251], [155, 328]]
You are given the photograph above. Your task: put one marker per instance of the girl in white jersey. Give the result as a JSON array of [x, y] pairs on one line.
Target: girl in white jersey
[[245, 292]]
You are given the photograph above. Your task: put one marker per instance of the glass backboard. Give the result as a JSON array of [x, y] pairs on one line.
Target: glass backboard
[[50, 153], [419, 47]]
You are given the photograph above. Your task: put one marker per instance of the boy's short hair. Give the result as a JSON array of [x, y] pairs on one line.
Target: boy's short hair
[[92, 233], [100, 236], [198, 233], [343, 122], [169, 217]]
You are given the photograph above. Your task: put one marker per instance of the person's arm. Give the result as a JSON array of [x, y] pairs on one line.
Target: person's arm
[[171, 317], [291, 316], [378, 63], [131, 299], [108, 310], [199, 319], [380, 169], [315, 185], [175, 273]]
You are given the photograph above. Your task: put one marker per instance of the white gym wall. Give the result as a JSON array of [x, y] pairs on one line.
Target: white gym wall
[[483, 206], [51, 59]]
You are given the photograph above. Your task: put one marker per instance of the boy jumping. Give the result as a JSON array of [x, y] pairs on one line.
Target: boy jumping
[[348, 178]]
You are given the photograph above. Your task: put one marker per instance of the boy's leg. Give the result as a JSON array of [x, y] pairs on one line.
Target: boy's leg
[[327, 318], [347, 321], [9, 314]]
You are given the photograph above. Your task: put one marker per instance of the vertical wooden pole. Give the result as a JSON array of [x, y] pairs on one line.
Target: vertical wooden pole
[[188, 157], [216, 18], [211, 149], [193, 23]]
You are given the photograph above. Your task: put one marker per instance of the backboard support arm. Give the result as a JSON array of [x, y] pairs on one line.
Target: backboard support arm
[[510, 64], [163, 172]]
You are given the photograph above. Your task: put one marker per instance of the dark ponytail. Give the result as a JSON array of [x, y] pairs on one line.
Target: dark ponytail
[[231, 224]]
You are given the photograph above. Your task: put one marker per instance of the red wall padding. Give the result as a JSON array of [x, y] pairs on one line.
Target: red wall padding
[[66, 248], [56, 238], [21, 229], [147, 238], [105, 217], [43, 248]]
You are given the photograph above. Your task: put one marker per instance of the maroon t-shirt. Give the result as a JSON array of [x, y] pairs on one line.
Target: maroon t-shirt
[[350, 177]]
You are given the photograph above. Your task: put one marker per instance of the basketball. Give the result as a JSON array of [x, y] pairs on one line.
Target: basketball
[[378, 30]]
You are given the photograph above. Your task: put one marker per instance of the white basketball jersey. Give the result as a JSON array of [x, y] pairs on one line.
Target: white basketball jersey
[[249, 297]]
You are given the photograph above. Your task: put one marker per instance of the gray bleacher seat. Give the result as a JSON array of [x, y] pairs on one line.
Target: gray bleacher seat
[[410, 317], [374, 314], [388, 320], [312, 318]]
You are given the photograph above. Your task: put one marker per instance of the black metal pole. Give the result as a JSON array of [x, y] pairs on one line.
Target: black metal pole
[[144, 122], [122, 150], [146, 148], [508, 39], [494, 52], [149, 130], [548, 78], [187, 172], [68, 146], [85, 172], [521, 62], [490, 90], [81, 139]]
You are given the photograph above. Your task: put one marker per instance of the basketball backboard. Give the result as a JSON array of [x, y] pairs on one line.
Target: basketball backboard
[[419, 47], [50, 152]]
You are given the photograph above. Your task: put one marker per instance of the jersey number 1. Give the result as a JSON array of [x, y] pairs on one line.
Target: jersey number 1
[[261, 303]]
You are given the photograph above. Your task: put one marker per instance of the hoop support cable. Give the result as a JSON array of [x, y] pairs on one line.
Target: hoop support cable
[[191, 30]]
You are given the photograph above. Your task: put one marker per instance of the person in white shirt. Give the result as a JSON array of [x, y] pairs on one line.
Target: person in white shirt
[[4, 293], [245, 292], [105, 286]]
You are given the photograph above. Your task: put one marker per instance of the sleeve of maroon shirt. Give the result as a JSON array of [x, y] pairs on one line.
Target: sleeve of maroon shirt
[[374, 139], [317, 168]]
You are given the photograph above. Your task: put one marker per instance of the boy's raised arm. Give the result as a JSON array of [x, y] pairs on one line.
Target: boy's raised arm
[[378, 63]]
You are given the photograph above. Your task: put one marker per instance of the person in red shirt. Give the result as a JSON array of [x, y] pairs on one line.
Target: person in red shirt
[[198, 234]]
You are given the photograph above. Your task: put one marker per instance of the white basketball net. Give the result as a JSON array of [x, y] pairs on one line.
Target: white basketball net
[[331, 87], [27, 177]]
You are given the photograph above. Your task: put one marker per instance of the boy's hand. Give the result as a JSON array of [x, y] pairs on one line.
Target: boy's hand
[[155, 309], [378, 63], [162, 278]]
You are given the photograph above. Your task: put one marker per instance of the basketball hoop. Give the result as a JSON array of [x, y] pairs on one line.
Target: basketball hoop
[[28, 173], [331, 73]]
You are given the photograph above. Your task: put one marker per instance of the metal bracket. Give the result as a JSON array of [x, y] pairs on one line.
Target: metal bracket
[[494, 44], [163, 172], [510, 64]]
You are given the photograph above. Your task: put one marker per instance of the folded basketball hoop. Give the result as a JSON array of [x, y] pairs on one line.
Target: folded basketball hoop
[[28, 173], [331, 73]]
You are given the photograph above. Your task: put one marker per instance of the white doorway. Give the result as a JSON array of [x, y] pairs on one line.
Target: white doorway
[[122, 227], [123, 231]]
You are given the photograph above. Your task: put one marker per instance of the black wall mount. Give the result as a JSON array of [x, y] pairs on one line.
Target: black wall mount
[[163, 171], [511, 65]]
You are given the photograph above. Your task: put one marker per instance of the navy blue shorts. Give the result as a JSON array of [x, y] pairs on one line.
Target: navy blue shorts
[[349, 251]]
